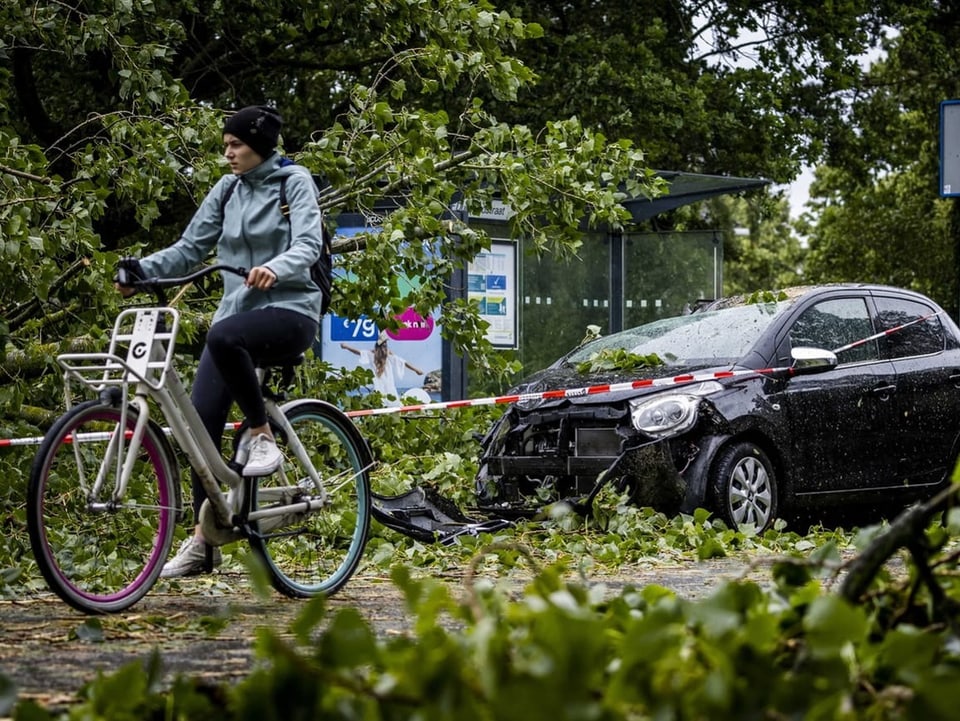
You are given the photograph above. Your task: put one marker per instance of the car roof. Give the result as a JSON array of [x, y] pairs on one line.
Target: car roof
[[795, 292], [798, 291]]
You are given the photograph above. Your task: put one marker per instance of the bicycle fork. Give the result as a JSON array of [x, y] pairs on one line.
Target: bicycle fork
[[120, 455]]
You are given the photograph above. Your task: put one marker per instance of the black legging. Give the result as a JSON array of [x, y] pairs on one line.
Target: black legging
[[226, 374]]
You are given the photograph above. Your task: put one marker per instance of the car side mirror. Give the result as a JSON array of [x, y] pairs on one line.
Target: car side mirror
[[812, 360]]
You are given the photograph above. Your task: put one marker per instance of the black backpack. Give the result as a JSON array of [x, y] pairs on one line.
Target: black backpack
[[321, 272]]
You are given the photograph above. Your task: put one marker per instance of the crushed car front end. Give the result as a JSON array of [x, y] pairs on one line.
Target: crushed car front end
[[644, 444]]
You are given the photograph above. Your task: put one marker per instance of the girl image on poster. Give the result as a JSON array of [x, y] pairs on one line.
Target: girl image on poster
[[388, 368]]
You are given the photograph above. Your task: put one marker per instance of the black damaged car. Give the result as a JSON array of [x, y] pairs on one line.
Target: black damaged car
[[748, 406]]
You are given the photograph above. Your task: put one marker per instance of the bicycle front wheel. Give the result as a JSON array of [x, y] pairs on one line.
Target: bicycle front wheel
[[315, 552], [99, 551]]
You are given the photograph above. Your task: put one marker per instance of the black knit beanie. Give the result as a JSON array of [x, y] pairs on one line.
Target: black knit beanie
[[256, 125]]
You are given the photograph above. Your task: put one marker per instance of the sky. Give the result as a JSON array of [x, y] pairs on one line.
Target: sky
[[798, 192]]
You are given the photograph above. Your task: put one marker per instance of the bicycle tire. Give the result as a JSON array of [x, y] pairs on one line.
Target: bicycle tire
[[316, 553], [106, 559]]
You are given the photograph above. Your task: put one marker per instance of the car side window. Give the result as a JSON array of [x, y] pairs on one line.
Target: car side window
[[914, 328], [834, 325]]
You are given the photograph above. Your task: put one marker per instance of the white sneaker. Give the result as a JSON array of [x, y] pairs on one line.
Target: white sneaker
[[191, 559], [264, 456]]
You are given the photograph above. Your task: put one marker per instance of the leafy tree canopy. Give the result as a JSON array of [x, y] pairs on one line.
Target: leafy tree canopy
[[112, 130], [743, 87]]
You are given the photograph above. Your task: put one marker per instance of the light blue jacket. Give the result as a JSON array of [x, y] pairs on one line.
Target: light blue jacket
[[254, 232]]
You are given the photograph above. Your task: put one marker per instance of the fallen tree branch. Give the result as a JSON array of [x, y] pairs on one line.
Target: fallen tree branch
[[38, 358], [34, 307], [35, 416], [902, 533]]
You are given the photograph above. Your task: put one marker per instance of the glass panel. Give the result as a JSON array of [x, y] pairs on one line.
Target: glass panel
[[559, 299], [922, 337], [837, 325], [663, 272], [722, 336], [666, 272]]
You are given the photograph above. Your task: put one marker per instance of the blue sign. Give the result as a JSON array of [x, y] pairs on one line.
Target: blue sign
[[496, 282], [347, 329]]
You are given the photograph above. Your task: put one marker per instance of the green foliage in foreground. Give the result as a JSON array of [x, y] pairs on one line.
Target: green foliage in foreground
[[564, 650], [617, 536]]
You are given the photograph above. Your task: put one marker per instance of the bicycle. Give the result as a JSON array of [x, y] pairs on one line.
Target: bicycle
[[104, 494]]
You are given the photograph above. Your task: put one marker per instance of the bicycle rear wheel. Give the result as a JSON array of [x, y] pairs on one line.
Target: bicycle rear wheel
[[313, 553], [98, 553]]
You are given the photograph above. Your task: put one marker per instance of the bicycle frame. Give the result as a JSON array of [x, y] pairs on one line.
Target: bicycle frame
[[148, 336]]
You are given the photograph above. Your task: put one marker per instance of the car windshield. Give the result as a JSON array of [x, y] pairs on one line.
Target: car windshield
[[715, 337]]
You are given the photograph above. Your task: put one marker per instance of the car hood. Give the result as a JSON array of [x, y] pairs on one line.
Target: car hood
[[567, 377]]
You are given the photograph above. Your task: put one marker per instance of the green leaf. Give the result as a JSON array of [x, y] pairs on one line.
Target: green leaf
[[348, 642], [90, 630], [313, 613], [908, 654], [617, 359], [831, 625]]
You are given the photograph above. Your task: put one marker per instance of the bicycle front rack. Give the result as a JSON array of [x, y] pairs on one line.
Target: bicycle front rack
[[141, 351]]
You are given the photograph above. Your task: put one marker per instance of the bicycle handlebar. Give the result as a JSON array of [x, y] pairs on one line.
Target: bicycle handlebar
[[157, 285]]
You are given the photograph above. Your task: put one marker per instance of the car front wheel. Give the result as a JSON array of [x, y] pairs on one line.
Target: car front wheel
[[744, 486]]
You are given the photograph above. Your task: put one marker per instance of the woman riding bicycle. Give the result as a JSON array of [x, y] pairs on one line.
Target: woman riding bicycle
[[270, 316]]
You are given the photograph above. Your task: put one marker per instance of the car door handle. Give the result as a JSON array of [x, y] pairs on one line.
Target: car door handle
[[884, 391]]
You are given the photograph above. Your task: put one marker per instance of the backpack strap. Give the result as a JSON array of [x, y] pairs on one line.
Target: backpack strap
[[226, 196], [284, 205], [285, 211]]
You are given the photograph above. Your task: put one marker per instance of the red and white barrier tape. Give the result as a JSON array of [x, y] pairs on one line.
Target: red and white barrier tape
[[493, 400], [567, 393], [885, 333], [37, 440], [86, 437], [617, 387]]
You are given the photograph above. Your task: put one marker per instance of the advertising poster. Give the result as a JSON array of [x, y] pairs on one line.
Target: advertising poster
[[492, 283]]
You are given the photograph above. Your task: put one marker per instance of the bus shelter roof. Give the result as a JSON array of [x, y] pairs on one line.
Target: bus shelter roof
[[686, 188]]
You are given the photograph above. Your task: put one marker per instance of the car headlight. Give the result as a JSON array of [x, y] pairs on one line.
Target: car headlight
[[669, 414]]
